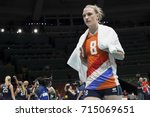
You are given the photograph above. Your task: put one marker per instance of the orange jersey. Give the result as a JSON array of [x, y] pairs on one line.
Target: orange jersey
[[145, 87], [99, 73]]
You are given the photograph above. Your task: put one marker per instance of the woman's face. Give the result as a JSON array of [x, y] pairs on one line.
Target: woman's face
[[90, 17]]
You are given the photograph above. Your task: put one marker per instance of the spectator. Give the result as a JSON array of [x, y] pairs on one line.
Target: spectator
[[70, 93], [145, 86], [140, 89]]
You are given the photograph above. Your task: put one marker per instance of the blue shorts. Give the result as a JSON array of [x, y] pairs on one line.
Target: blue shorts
[[104, 92]]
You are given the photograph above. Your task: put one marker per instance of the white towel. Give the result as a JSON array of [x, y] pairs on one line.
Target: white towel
[[107, 39]]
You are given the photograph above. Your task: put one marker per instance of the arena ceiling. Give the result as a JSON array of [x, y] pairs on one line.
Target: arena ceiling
[[18, 11]]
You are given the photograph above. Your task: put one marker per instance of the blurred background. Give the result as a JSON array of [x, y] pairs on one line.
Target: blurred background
[[38, 36]]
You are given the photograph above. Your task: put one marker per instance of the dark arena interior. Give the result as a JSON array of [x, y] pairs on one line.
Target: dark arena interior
[[38, 36]]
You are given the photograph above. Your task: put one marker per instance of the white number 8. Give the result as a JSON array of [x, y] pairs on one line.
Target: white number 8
[[93, 49]]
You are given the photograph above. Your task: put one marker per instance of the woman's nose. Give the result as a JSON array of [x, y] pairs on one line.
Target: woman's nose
[[86, 17]]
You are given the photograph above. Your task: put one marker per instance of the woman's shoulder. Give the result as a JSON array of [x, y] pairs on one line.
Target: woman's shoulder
[[10, 86], [105, 27]]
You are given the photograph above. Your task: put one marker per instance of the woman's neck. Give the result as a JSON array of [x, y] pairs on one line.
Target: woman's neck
[[93, 30], [7, 83]]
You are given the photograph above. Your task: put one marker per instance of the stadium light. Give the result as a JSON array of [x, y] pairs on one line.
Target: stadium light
[[2, 30], [35, 30], [19, 30]]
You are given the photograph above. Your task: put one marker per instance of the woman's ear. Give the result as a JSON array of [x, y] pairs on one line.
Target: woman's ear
[[97, 17]]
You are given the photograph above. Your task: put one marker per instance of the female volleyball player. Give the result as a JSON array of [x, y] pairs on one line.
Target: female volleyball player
[[94, 57], [7, 89], [21, 91]]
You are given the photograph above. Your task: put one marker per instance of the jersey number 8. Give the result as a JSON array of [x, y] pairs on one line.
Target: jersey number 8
[[93, 49]]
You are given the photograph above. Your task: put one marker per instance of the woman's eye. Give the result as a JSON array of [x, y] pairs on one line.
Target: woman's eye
[[89, 14]]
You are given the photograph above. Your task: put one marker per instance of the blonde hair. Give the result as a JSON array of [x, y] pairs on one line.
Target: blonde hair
[[7, 80], [21, 84], [97, 10], [26, 82]]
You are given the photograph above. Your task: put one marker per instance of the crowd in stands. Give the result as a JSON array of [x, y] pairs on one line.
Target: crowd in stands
[[42, 89]]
